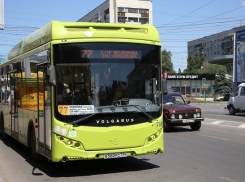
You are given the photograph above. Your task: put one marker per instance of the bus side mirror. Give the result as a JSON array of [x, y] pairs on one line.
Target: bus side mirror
[[51, 75], [164, 87]]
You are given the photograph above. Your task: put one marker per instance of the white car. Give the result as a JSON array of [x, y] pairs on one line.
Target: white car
[[236, 103]]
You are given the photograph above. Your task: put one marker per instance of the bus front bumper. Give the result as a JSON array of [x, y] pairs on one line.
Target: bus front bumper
[[63, 153]]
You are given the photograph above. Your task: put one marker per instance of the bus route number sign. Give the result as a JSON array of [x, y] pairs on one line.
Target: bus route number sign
[[75, 109], [63, 109], [111, 54]]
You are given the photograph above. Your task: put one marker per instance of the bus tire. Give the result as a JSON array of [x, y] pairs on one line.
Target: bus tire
[[1, 123], [35, 156], [5, 136]]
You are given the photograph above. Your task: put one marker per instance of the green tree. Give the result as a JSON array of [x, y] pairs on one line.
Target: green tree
[[222, 84], [211, 68], [167, 64], [194, 62], [179, 70]]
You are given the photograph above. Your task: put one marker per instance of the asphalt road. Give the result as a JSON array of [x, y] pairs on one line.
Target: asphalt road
[[215, 153]]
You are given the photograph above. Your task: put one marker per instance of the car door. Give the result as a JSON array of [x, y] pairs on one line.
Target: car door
[[242, 98], [235, 99]]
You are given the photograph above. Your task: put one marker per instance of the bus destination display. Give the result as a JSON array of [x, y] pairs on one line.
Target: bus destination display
[[111, 54]]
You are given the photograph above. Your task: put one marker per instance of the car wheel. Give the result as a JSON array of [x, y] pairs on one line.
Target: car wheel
[[195, 126], [232, 110], [166, 126]]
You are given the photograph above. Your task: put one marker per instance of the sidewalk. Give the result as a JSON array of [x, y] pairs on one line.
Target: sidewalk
[[207, 99]]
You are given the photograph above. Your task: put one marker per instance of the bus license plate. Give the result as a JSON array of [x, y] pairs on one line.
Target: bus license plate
[[188, 120], [115, 155]]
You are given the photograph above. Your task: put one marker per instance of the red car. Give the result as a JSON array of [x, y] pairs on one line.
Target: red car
[[177, 112]]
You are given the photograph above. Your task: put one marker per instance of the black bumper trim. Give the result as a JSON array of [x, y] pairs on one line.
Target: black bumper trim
[[180, 121]]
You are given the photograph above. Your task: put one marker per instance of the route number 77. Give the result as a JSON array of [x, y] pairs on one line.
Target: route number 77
[[63, 110]]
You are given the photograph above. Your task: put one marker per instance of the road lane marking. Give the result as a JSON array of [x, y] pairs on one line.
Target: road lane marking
[[228, 179], [241, 126], [217, 122], [222, 125], [215, 137]]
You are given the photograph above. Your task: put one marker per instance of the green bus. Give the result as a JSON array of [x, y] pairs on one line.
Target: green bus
[[80, 91]]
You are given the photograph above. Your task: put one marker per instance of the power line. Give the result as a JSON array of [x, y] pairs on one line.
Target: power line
[[214, 16], [39, 14], [168, 6], [191, 12], [190, 24], [201, 29], [175, 15]]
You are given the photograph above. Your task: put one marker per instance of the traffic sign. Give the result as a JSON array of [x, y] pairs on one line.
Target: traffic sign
[[204, 87], [203, 80]]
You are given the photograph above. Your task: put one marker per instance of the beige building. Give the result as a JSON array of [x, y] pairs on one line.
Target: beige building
[[216, 48], [121, 11]]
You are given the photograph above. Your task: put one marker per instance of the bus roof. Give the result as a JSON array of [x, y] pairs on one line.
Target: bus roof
[[56, 30]]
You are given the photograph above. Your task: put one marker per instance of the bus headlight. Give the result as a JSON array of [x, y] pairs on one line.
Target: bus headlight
[[69, 142]]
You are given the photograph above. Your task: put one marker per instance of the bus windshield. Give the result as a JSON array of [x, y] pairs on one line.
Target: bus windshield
[[99, 77]]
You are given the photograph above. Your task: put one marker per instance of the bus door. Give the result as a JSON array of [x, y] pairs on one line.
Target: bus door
[[13, 100], [44, 112]]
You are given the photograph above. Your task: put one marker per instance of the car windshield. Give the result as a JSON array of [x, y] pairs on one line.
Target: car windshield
[[220, 95], [98, 77], [173, 99]]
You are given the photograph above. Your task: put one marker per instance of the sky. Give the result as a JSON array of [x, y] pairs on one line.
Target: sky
[[177, 21]]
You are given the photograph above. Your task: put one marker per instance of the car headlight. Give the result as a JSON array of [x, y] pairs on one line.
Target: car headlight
[[180, 116], [172, 116], [198, 115]]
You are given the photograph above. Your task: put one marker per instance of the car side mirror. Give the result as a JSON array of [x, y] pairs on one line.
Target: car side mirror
[[164, 87], [188, 102], [51, 75]]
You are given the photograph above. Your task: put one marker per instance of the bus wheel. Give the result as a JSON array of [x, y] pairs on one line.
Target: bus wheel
[[36, 157], [1, 124], [5, 136]]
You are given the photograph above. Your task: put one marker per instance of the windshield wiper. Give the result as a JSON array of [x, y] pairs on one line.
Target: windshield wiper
[[148, 115], [82, 119], [100, 111], [85, 118]]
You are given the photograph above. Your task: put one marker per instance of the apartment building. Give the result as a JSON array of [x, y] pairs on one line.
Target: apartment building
[[121, 11], [216, 48]]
